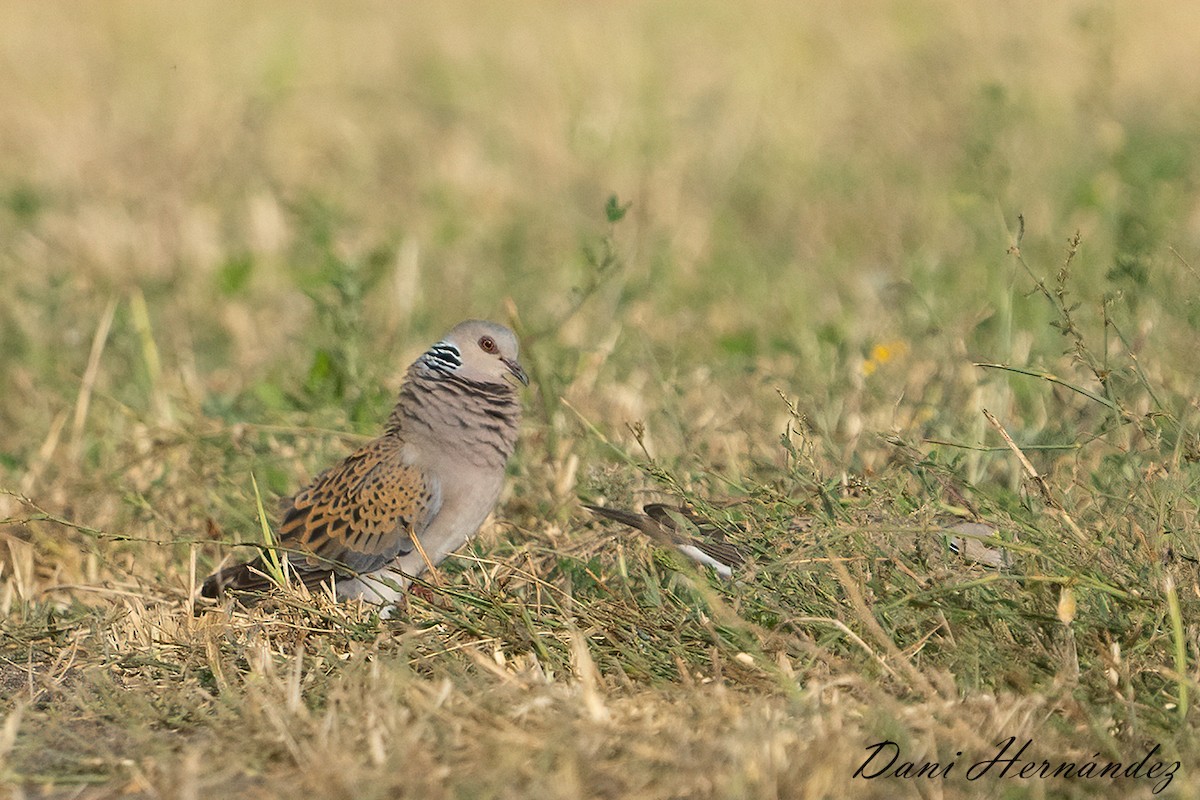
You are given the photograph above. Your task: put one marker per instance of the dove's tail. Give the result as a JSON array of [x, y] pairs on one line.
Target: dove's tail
[[253, 576]]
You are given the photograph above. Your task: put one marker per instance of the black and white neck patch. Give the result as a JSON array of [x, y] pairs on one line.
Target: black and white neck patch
[[443, 356]]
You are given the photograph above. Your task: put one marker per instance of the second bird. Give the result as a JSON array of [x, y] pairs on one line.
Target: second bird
[[427, 483], [682, 529]]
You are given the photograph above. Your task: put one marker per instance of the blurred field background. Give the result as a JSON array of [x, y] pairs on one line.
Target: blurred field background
[[225, 231]]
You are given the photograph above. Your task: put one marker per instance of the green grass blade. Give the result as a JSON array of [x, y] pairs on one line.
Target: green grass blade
[[270, 545], [1046, 376]]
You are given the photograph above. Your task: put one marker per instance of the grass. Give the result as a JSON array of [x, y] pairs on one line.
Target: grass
[[838, 279]]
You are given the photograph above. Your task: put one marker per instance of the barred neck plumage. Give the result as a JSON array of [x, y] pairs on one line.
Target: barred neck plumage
[[478, 421], [442, 358]]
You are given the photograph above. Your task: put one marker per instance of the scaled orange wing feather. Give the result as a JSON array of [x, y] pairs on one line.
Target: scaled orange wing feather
[[358, 515]]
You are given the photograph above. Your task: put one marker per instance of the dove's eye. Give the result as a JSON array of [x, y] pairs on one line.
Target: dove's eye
[[487, 344]]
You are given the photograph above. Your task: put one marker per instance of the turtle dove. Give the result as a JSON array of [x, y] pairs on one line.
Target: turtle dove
[[406, 500]]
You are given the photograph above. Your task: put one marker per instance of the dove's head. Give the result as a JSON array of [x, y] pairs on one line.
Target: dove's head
[[478, 351]]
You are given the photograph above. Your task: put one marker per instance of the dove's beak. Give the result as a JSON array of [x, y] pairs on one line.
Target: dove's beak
[[516, 370]]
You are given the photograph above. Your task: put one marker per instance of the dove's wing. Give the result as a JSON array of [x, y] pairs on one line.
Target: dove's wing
[[353, 518]]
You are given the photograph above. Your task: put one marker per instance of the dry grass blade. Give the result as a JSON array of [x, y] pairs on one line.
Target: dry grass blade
[[1037, 478], [87, 384]]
